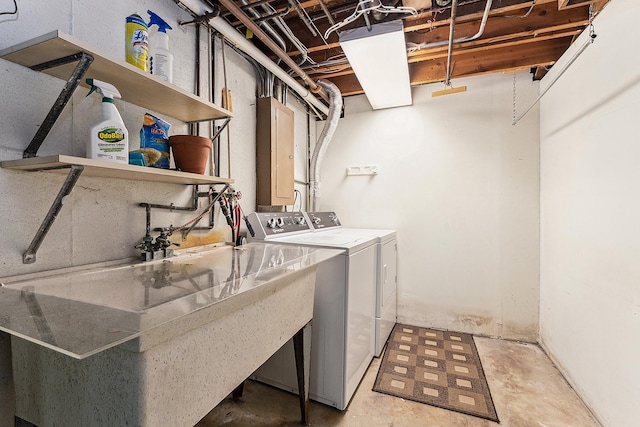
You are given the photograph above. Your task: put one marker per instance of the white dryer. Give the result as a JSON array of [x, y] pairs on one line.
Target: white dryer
[[343, 324], [386, 272], [386, 283]]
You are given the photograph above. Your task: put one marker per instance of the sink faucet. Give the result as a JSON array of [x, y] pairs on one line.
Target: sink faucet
[[156, 250]]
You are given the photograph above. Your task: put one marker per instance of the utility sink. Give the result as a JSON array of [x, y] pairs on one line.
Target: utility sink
[[168, 339]]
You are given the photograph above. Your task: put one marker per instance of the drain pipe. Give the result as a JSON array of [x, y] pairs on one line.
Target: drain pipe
[[335, 108]]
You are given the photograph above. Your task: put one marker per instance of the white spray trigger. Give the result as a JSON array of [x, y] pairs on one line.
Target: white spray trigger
[[106, 89]]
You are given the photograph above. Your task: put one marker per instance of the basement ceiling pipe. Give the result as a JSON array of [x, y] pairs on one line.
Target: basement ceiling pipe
[[325, 9], [273, 33], [335, 108], [276, 17], [454, 5], [238, 13], [413, 47], [249, 48]]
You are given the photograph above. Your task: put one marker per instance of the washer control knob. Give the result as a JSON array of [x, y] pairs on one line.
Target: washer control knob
[[271, 223], [280, 222], [300, 220]]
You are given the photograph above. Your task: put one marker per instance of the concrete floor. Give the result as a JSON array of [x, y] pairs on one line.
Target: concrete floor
[[527, 390]]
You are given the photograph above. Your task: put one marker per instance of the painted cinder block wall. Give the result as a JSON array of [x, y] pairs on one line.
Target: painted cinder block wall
[[101, 219]]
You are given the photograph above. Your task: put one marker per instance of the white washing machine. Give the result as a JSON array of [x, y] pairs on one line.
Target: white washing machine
[[343, 324]]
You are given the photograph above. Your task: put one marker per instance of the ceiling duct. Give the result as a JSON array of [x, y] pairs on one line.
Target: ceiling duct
[[335, 109]]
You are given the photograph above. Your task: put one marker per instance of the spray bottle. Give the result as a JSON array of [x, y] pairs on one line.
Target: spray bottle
[[160, 59], [108, 139], [137, 43]]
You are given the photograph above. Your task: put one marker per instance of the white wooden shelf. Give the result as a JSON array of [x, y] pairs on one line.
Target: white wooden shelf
[[99, 168], [136, 86]]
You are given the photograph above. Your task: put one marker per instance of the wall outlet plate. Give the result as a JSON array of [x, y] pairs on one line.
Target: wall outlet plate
[[363, 170]]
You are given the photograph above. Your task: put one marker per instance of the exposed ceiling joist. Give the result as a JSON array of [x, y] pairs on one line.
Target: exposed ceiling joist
[[519, 34]]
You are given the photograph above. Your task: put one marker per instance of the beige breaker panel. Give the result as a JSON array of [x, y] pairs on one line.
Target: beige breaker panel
[[274, 151]]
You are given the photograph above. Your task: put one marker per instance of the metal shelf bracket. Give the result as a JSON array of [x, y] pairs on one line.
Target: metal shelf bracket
[[85, 61], [29, 257]]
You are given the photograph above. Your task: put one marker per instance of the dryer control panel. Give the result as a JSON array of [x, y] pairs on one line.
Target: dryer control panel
[[267, 225], [323, 220], [273, 224]]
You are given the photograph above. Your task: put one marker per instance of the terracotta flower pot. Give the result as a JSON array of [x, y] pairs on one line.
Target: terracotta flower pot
[[190, 153]]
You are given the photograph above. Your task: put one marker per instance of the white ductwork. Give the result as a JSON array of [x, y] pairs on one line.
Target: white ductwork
[[335, 109], [246, 46]]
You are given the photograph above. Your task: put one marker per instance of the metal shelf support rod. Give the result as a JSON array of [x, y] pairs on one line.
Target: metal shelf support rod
[[29, 257], [85, 61]]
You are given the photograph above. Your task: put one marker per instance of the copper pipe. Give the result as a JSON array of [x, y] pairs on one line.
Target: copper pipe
[[238, 13]]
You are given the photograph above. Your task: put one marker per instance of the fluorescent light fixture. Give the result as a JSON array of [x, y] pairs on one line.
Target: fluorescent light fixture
[[379, 59]]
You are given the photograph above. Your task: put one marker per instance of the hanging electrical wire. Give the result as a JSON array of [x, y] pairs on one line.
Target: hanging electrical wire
[[364, 7], [412, 47], [434, 19], [522, 16], [15, 9]]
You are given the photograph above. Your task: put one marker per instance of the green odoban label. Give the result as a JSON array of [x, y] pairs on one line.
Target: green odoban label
[[111, 135]]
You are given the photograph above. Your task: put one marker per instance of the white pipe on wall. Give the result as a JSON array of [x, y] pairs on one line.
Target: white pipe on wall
[[243, 44], [335, 109]]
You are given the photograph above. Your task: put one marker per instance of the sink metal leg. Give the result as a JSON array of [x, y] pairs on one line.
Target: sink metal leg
[[302, 368], [237, 393]]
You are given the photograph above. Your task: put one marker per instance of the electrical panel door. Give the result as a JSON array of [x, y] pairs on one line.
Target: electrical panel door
[[275, 148]]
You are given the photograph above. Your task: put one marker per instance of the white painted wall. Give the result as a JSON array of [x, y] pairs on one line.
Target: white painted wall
[[590, 211], [101, 219], [459, 183]]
